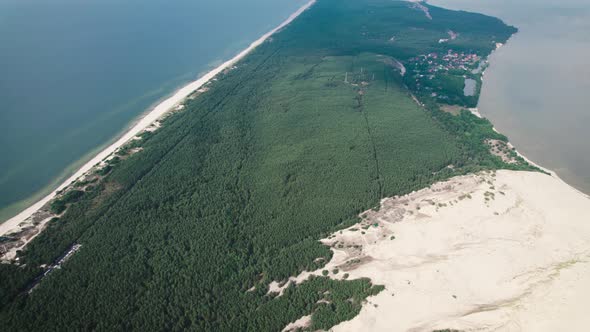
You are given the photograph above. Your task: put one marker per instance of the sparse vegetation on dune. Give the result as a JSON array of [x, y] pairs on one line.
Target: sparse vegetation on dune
[[235, 191]]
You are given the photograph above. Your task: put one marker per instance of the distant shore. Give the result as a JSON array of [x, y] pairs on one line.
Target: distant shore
[[157, 112]]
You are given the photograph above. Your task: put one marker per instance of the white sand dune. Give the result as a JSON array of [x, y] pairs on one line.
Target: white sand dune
[[157, 112], [516, 261]]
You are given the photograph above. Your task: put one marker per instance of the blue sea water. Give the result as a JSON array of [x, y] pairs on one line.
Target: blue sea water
[[75, 73]]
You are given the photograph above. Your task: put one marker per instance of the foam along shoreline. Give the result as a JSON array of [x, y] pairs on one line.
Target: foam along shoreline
[[156, 113]]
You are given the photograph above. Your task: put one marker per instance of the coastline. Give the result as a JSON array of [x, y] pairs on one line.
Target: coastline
[[496, 251], [527, 114], [15, 208], [475, 111], [446, 255], [146, 121], [489, 250]]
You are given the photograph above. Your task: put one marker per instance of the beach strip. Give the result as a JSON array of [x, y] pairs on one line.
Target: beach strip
[[156, 113]]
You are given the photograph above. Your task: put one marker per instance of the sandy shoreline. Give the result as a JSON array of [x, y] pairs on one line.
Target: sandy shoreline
[[156, 113]]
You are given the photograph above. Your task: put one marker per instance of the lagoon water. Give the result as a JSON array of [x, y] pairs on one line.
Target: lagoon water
[[470, 87], [536, 90], [74, 74]]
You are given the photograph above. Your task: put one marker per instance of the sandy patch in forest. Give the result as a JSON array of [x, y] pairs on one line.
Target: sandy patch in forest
[[299, 324]]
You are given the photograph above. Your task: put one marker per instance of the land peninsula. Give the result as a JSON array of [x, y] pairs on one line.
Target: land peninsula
[[338, 168]]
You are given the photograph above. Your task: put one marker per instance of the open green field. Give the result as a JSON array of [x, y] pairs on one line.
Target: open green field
[[312, 128]]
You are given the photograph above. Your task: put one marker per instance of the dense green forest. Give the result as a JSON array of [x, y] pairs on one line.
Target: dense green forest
[[312, 128]]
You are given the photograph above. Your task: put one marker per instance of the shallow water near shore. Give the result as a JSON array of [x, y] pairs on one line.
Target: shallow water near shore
[[536, 88], [75, 75]]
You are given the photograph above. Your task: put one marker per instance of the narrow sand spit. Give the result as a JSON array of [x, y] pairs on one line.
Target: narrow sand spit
[[147, 120], [503, 251]]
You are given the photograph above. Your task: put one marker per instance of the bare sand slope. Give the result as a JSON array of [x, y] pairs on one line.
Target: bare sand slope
[[504, 251], [147, 120]]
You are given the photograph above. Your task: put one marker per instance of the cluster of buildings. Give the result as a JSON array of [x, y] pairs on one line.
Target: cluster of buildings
[[429, 64], [442, 75]]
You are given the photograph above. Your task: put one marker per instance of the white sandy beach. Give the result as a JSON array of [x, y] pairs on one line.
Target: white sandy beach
[[156, 113], [503, 251]]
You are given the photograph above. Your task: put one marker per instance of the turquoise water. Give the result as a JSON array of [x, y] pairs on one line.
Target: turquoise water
[[74, 74], [536, 88]]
